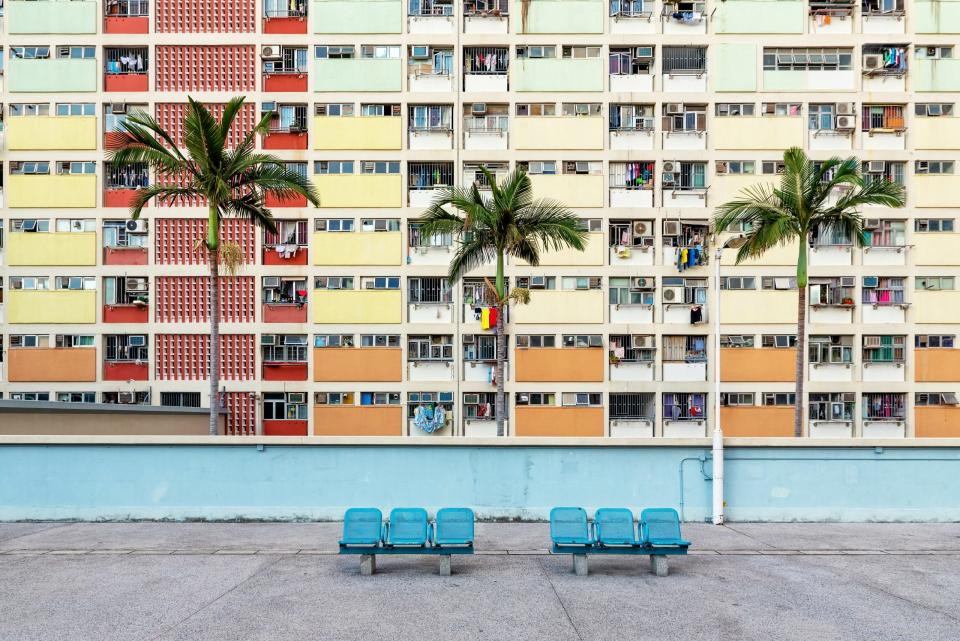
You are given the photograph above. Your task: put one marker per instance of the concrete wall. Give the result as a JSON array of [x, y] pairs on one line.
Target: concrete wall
[[59, 306], [560, 16], [580, 364], [359, 190], [759, 16], [58, 249], [89, 423], [357, 248], [45, 17], [178, 481], [32, 364], [356, 16], [51, 132], [359, 132], [558, 132], [53, 191]]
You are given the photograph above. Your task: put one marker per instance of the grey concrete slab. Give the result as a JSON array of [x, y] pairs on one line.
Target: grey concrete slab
[[11, 531], [856, 536]]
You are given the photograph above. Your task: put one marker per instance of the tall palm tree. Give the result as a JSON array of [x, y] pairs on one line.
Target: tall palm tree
[[825, 196], [505, 222], [233, 182]]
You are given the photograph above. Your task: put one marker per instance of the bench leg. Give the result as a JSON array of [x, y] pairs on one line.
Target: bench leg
[[658, 564], [444, 565], [368, 564], [580, 564]]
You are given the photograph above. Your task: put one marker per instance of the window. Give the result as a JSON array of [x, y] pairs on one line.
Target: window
[[631, 61], [632, 175], [429, 175], [778, 340], [934, 341], [535, 398], [379, 398], [333, 398], [686, 176], [634, 290], [933, 225], [734, 109], [333, 167], [125, 347], [884, 233], [536, 52], [738, 282], [430, 7], [537, 167], [477, 293], [837, 406], [480, 348], [125, 398], [581, 282], [832, 291], [333, 340], [432, 401], [487, 61], [884, 349], [736, 167], [807, 59], [76, 167], [581, 399], [333, 224], [631, 233], [480, 406], [883, 118], [30, 167], [486, 7], [333, 282], [279, 406], [684, 407], [632, 348], [30, 282], [537, 282], [126, 290], [116, 114], [581, 108], [934, 166], [778, 282], [30, 52], [76, 52], [933, 53], [737, 341], [380, 51], [423, 60], [883, 290], [772, 167], [731, 399], [75, 282], [429, 289], [29, 396], [679, 117], [935, 398], [321, 52], [831, 350], [882, 7], [536, 340], [430, 348], [437, 118], [582, 340], [379, 224], [880, 406], [694, 290], [76, 225], [779, 399], [29, 340], [76, 109], [76, 397], [74, 340], [379, 340], [381, 282], [280, 290], [632, 406], [289, 232], [884, 170], [284, 348], [581, 52], [684, 60], [582, 167], [780, 109], [627, 8], [933, 109], [380, 167], [821, 117], [28, 225], [133, 176], [29, 109], [293, 60], [415, 237], [180, 399], [334, 109], [286, 118], [689, 349], [935, 283]]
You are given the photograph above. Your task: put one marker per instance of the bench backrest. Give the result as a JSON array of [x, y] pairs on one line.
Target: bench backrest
[[614, 526], [454, 526], [362, 526], [568, 525], [408, 526], [660, 526]]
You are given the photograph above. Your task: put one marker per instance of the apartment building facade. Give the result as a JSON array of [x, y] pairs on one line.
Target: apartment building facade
[[641, 117]]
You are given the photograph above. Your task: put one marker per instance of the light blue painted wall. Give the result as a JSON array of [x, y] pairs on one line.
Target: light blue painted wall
[[357, 74], [735, 66], [57, 75], [317, 482], [558, 74]]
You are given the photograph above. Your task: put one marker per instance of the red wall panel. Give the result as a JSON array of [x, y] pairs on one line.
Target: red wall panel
[[209, 16], [205, 68], [185, 357], [175, 239], [241, 413], [184, 299]]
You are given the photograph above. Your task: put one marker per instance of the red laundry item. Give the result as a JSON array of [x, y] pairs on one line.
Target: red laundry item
[[493, 318]]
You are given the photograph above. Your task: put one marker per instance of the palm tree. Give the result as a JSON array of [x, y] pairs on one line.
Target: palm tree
[[801, 204], [505, 222], [233, 182]]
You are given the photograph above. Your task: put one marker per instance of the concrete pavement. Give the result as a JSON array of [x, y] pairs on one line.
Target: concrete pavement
[[272, 581]]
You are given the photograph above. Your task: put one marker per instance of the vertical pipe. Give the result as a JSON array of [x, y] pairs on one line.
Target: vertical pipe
[[717, 433]]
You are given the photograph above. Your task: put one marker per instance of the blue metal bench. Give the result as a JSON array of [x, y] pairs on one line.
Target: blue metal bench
[[613, 532], [407, 531]]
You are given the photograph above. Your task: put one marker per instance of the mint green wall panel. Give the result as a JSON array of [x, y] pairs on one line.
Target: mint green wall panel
[[935, 75], [735, 67], [558, 74], [59, 16], [784, 80], [560, 16], [52, 75], [759, 16], [356, 16], [936, 16], [357, 74]]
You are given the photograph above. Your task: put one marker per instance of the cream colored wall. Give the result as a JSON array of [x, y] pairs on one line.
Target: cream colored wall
[[356, 248], [759, 132], [758, 307], [552, 307], [558, 132], [935, 133]]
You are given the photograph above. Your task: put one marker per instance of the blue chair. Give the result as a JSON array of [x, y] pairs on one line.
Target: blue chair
[[453, 527], [362, 528], [613, 527], [660, 527], [407, 526], [569, 526]]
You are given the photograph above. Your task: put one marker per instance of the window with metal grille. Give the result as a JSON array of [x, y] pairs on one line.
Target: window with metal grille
[[486, 60], [689, 349], [837, 292], [684, 407], [180, 399], [125, 347], [807, 59], [934, 341], [429, 175], [884, 290], [432, 289], [436, 347], [126, 60], [480, 406], [883, 118], [684, 60], [480, 347], [884, 349], [631, 117], [830, 350], [436, 118], [633, 348], [632, 175], [632, 405], [284, 348], [884, 406], [284, 406]]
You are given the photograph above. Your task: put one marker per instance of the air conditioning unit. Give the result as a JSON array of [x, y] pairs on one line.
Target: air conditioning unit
[[871, 223], [641, 282], [271, 52], [268, 339], [721, 167], [872, 61], [138, 226], [673, 294], [471, 399], [582, 110], [932, 52], [923, 166], [674, 107], [135, 284], [643, 52], [419, 52], [846, 281], [137, 340], [671, 228], [118, 108], [668, 178], [845, 122], [876, 166], [845, 108], [669, 166], [538, 282], [469, 339], [296, 397], [126, 397], [478, 108], [640, 228], [271, 282], [641, 341], [870, 282], [268, 106]]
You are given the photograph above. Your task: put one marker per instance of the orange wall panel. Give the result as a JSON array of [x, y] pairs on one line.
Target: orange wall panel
[[756, 421], [938, 365], [559, 421], [937, 422], [357, 420], [28, 365], [577, 365], [745, 365], [374, 364]]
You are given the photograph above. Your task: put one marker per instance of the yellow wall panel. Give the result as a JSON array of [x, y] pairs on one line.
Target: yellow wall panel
[[936, 190], [727, 187], [52, 249], [558, 132], [556, 306], [53, 191], [51, 132], [594, 253], [359, 190], [758, 307], [935, 133], [359, 132], [356, 248], [38, 307], [779, 255], [936, 306], [356, 306], [570, 189], [936, 249]]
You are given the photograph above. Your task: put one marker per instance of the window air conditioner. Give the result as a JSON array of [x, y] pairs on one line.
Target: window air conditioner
[[471, 399], [876, 166], [672, 294], [271, 282], [721, 167], [674, 107], [469, 338], [268, 106], [671, 228], [138, 340], [538, 282], [419, 52], [871, 223], [846, 281], [871, 281], [268, 339], [118, 108], [296, 397], [478, 108], [643, 52], [125, 397]]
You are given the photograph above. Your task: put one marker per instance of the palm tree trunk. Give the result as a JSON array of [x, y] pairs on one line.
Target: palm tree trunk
[[501, 329], [801, 337], [213, 245]]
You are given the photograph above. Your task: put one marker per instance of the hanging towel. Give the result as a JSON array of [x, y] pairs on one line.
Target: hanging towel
[[485, 318], [493, 318]]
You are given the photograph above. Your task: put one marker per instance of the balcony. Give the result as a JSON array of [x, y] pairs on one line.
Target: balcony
[[357, 307], [357, 248], [349, 364], [759, 132], [558, 132], [52, 75], [358, 420], [756, 365], [129, 255], [560, 16], [357, 74], [431, 17], [560, 365], [375, 191], [61, 133], [121, 184], [760, 16], [127, 17], [126, 371], [52, 17], [937, 365], [284, 371], [577, 422], [38, 307], [756, 421], [936, 16], [356, 16], [52, 365], [288, 20], [58, 191], [358, 132], [577, 191], [558, 74], [486, 17], [56, 249], [284, 313], [126, 70], [126, 313], [285, 81], [552, 307], [930, 190], [941, 421]]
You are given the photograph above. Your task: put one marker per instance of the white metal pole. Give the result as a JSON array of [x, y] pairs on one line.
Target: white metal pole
[[717, 432]]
